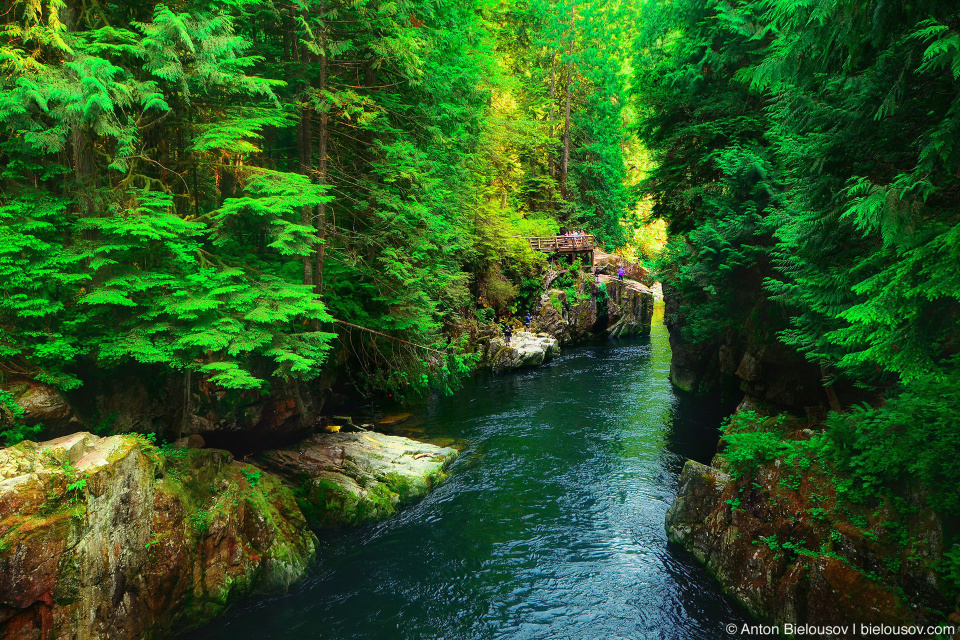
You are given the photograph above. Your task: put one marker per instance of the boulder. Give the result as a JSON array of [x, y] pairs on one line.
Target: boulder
[[350, 478], [193, 441], [44, 405], [700, 489], [112, 538], [525, 350]]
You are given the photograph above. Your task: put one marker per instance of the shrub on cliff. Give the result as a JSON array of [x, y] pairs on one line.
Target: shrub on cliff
[[12, 430], [913, 435]]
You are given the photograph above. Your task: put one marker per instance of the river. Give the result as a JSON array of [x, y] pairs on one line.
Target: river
[[550, 526]]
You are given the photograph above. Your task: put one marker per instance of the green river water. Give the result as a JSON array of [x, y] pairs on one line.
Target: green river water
[[550, 526]]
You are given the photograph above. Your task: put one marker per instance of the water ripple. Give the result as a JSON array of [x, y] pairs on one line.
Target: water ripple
[[551, 525]]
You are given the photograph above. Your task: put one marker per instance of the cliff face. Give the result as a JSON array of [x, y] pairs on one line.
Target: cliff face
[[746, 362], [771, 528], [779, 540], [693, 368], [108, 538], [629, 307]]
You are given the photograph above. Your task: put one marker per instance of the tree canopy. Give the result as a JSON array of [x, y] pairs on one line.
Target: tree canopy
[[239, 189]]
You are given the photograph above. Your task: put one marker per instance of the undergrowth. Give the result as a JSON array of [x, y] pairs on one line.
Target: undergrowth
[[894, 459], [12, 429]]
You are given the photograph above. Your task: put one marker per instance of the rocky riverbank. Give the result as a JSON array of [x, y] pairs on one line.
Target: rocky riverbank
[[769, 518], [117, 538], [774, 532], [575, 306]]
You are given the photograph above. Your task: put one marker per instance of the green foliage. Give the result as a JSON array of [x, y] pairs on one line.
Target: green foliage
[[806, 161], [950, 569], [252, 475], [602, 297], [714, 178], [913, 435], [772, 542], [496, 289], [752, 440], [748, 450], [200, 521], [12, 430], [76, 489], [225, 192], [125, 260], [486, 315]]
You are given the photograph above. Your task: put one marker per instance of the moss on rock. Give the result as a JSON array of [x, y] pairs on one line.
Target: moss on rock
[[100, 537], [343, 479]]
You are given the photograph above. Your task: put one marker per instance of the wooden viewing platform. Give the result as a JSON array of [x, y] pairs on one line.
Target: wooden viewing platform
[[564, 245]]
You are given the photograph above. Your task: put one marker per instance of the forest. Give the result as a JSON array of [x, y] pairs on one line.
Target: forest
[[807, 153], [238, 190], [256, 193]]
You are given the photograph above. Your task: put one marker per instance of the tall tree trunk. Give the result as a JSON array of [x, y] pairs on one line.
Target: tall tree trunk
[[369, 80], [565, 161], [305, 152], [553, 102], [322, 159]]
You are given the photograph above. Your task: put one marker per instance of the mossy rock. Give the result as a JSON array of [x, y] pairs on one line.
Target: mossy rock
[[347, 479]]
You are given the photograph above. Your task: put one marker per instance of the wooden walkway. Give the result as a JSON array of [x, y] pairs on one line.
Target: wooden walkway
[[564, 245]]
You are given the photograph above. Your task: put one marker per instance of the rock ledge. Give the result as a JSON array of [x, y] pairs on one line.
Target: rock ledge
[[350, 478]]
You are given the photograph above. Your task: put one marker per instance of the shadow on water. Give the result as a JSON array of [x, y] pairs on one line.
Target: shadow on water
[[550, 526]]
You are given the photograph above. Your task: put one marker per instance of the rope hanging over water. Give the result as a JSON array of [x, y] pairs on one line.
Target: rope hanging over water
[[413, 344]]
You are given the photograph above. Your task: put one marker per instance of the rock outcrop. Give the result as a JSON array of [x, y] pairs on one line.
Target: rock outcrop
[[44, 405], [746, 361], [609, 263], [112, 538], [777, 542], [629, 307], [169, 403], [609, 307], [525, 350], [350, 478]]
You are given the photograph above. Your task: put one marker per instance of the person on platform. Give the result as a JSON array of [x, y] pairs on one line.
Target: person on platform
[[620, 274]]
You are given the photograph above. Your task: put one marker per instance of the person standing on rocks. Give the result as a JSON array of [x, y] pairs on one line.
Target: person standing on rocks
[[528, 320], [507, 333], [620, 274]]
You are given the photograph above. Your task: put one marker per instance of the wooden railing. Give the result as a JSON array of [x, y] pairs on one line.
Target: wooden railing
[[561, 244]]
